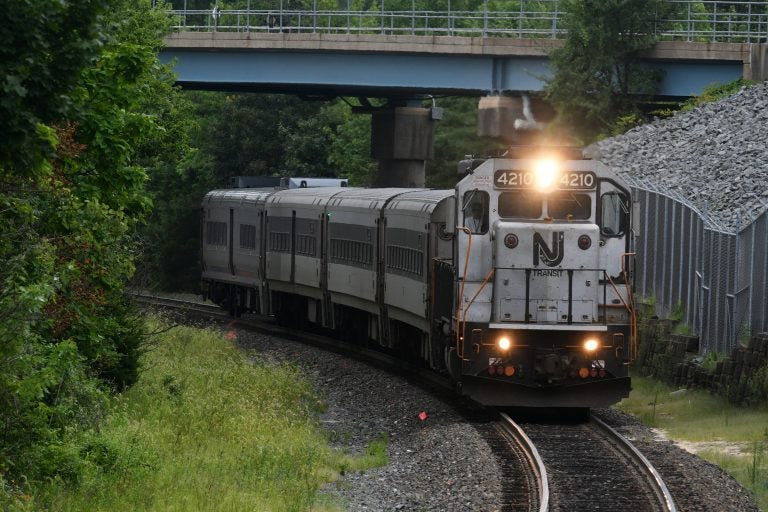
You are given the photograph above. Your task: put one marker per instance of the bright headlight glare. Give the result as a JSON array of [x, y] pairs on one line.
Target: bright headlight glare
[[591, 345], [504, 343], [546, 171]]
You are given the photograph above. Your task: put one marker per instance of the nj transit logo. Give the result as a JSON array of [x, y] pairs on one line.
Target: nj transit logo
[[549, 256]]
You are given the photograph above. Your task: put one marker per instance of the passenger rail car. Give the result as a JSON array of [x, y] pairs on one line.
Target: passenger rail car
[[517, 283]]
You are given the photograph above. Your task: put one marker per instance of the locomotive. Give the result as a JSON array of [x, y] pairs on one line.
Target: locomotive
[[517, 283]]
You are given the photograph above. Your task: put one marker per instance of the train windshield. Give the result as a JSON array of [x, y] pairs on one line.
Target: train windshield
[[569, 206], [520, 204]]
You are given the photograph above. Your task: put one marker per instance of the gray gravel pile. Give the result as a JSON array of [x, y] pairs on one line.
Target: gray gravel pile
[[695, 484], [715, 156], [440, 464]]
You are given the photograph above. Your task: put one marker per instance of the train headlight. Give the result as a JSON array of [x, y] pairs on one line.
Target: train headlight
[[591, 345], [545, 171], [504, 343]]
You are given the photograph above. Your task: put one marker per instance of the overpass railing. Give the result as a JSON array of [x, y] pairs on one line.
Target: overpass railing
[[687, 20]]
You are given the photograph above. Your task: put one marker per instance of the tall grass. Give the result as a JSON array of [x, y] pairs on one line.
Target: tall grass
[[205, 428], [698, 416]]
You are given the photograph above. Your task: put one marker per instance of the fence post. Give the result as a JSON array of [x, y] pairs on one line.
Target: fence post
[[690, 26], [554, 20]]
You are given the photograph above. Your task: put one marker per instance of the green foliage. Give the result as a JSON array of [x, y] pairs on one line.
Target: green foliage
[[625, 123], [683, 329], [71, 196], [716, 92], [350, 150], [597, 77], [44, 44], [757, 386], [212, 428], [710, 360], [678, 311], [249, 134]]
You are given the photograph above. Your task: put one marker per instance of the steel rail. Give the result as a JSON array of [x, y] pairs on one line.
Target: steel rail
[[535, 462], [651, 475], [176, 303]]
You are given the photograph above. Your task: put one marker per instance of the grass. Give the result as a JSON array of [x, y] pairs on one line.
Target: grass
[[206, 428], [698, 416]]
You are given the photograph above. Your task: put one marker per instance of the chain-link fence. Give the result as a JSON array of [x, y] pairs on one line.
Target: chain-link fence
[[712, 279]]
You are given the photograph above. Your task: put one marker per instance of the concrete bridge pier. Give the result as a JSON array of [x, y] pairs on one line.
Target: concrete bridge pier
[[402, 140], [514, 119]]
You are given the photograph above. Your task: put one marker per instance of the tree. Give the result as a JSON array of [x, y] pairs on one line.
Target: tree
[[598, 77], [72, 117]]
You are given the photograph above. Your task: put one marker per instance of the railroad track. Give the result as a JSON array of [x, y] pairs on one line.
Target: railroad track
[[182, 306], [547, 467], [526, 486], [590, 466]]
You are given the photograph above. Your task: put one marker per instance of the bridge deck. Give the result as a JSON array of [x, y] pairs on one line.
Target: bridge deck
[[387, 65]]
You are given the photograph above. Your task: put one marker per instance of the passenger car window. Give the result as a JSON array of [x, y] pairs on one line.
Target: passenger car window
[[520, 204], [569, 205], [475, 208], [614, 214]]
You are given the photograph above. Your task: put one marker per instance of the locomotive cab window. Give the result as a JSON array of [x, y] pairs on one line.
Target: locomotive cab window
[[520, 204], [475, 208], [569, 206], [614, 214]]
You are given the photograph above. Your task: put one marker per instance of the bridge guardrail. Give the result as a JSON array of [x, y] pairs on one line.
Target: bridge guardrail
[[693, 21]]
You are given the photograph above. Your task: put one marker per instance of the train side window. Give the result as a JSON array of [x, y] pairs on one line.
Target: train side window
[[520, 204], [475, 209], [614, 214], [569, 206]]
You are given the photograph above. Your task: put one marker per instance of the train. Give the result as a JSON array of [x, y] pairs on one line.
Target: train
[[516, 284]]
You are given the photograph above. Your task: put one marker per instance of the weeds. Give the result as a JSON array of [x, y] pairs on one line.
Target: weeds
[[698, 416], [205, 428]]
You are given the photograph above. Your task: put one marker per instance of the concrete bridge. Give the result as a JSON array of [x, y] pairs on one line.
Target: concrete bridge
[[500, 56], [385, 53], [403, 65]]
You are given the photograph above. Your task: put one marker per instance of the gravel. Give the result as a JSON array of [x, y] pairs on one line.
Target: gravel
[[444, 463], [440, 464], [714, 156], [696, 484]]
